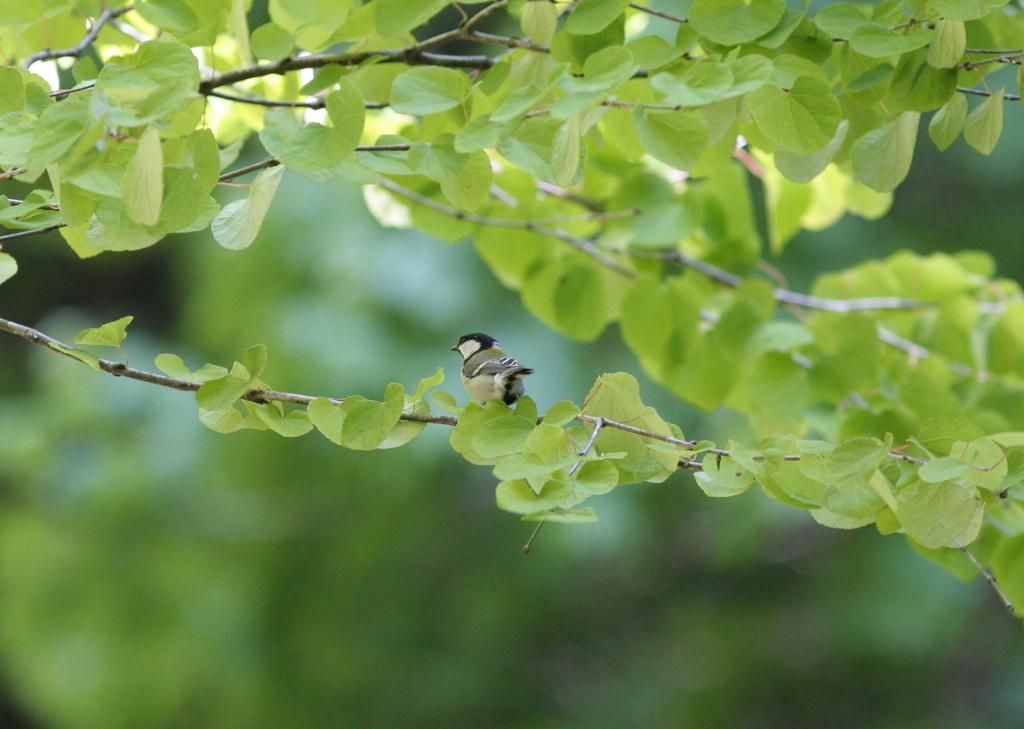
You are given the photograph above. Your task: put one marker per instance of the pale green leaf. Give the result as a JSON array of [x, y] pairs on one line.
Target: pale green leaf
[[882, 157], [569, 516], [804, 168], [561, 413], [142, 186], [677, 138], [539, 20], [173, 366], [803, 119], [949, 44], [593, 16], [934, 514], [271, 42], [110, 334], [942, 469], [966, 9], [502, 436], [843, 18], [984, 124], [948, 122], [8, 267], [731, 22], [876, 41], [397, 16], [238, 223], [428, 90], [517, 496]]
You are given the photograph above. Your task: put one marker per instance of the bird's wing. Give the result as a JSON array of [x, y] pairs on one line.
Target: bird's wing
[[491, 367]]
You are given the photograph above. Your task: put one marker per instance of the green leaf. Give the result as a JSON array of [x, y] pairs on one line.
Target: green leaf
[[81, 355], [110, 334], [731, 22], [465, 178], [982, 453], [854, 461], [221, 421], [984, 124], [445, 401], [569, 516], [271, 42], [561, 413], [565, 154], [142, 188], [942, 469], [652, 51], [919, 86], [327, 417], [238, 223], [518, 498], [368, 423], [948, 122], [222, 392], [603, 71], [481, 133], [722, 476], [596, 477], [502, 436], [397, 16], [518, 102], [539, 21], [528, 466], [703, 82], [966, 9], [428, 90], [948, 47], [677, 138], [292, 425], [842, 19], [8, 267], [882, 157], [426, 383], [804, 168], [876, 40], [934, 514], [939, 434], [593, 16], [12, 91], [803, 119], [159, 79], [173, 366]]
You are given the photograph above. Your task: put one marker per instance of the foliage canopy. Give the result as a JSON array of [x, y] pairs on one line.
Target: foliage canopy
[[604, 172]]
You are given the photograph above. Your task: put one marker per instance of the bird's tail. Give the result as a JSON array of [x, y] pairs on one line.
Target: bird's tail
[[518, 373]]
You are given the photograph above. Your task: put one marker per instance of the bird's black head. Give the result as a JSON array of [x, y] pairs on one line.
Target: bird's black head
[[469, 344]]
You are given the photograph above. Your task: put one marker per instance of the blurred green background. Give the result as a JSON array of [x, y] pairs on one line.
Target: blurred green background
[[156, 574]]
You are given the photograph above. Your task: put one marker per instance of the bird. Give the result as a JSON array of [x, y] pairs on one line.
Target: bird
[[487, 374]]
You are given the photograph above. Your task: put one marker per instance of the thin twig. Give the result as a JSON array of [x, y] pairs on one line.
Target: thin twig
[[581, 244], [659, 13], [260, 101], [34, 231], [1015, 59], [988, 576], [1011, 51], [13, 173], [105, 17], [982, 92]]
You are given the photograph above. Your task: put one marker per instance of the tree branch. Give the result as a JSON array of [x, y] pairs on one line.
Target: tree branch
[[105, 17], [985, 92], [659, 13], [319, 103], [576, 242], [988, 577], [14, 172]]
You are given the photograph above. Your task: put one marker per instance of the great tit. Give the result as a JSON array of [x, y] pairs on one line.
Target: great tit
[[487, 373]]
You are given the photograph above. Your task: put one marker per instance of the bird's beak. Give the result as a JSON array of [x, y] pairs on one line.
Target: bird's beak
[[455, 348]]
